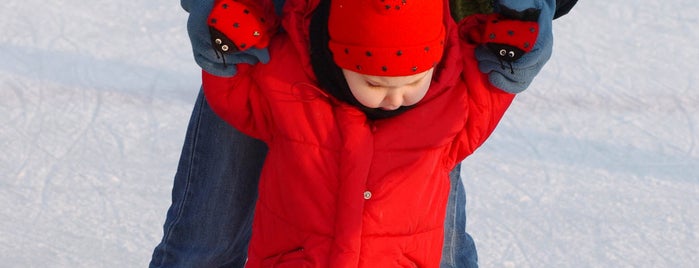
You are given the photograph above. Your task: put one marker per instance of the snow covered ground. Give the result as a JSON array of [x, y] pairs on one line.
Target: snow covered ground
[[596, 165]]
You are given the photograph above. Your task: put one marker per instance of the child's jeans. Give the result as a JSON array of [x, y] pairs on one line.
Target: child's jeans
[[213, 198]]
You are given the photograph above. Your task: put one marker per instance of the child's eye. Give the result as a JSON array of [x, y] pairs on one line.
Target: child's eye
[[370, 84]]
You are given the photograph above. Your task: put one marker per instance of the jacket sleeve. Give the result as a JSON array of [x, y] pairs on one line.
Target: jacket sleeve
[[239, 101], [204, 51], [486, 103], [486, 106]]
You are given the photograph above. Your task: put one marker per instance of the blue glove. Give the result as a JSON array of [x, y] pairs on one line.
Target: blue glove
[[204, 54], [524, 69]]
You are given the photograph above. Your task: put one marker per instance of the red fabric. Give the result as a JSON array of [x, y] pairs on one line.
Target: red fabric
[[249, 24], [386, 37], [518, 33], [338, 190]]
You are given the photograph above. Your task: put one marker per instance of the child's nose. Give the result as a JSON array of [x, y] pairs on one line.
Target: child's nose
[[392, 101]]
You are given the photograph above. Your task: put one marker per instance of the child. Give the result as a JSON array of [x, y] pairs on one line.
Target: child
[[362, 130]]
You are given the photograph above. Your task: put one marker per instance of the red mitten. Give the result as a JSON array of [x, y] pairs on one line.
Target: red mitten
[[508, 34], [235, 26]]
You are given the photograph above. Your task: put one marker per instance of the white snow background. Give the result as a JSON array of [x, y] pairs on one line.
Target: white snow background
[[596, 165]]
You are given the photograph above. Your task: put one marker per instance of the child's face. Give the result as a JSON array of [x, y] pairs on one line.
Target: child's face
[[388, 92]]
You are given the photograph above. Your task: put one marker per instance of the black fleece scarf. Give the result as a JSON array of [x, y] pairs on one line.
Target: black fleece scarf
[[329, 75]]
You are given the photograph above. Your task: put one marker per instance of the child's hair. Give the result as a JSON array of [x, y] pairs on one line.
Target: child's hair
[[329, 75]]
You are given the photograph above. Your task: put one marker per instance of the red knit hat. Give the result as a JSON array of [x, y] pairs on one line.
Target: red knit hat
[[386, 37]]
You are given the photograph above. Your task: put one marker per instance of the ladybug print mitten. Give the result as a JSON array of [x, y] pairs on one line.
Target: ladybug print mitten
[[210, 59], [515, 48], [235, 26], [510, 34]]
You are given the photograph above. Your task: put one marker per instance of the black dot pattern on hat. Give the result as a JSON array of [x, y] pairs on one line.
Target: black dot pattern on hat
[[393, 5], [386, 67]]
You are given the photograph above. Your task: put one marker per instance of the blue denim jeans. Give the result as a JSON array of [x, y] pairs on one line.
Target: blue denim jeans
[[213, 197], [459, 250]]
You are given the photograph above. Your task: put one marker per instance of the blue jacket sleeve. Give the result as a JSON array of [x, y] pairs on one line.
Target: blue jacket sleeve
[[204, 54], [523, 70]]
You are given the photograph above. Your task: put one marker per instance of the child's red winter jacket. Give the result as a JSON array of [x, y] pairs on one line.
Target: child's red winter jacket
[[339, 190]]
